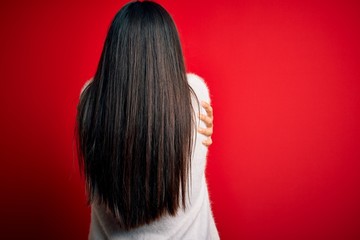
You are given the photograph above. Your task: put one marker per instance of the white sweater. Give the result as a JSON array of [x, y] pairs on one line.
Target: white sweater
[[196, 222]]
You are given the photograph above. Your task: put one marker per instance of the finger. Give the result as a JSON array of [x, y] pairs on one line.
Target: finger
[[207, 142], [207, 120], [208, 108], [206, 131]]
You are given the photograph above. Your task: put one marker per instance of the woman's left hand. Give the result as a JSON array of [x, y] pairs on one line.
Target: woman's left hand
[[208, 119]]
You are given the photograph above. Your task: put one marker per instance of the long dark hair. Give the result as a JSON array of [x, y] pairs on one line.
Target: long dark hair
[[135, 121]]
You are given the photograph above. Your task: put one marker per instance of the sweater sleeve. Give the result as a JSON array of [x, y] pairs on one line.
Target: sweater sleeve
[[199, 86], [202, 93]]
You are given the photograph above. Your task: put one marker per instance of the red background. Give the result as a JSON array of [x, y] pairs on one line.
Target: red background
[[284, 80]]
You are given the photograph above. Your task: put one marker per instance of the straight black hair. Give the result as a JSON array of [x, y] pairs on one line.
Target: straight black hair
[[135, 120]]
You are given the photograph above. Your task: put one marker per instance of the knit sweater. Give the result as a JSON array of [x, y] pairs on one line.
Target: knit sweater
[[195, 222]]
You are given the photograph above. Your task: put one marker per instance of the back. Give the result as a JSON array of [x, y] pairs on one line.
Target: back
[[195, 222]]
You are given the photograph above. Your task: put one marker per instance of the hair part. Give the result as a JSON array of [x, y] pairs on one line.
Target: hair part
[[135, 121]]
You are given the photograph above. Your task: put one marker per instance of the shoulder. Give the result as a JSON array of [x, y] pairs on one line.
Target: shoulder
[[199, 86], [85, 85]]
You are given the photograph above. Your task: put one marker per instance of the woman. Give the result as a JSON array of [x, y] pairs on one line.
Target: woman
[[137, 139]]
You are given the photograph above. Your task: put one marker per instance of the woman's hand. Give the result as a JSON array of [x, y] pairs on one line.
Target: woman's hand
[[208, 120]]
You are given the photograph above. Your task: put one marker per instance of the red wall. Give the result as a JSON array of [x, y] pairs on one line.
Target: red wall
[[284, 80]]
